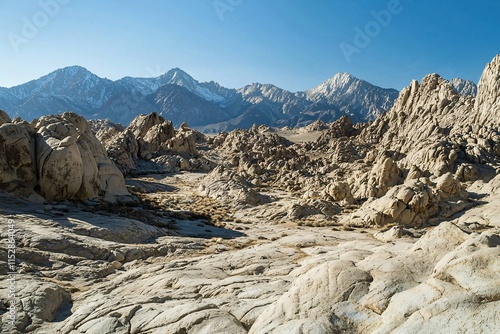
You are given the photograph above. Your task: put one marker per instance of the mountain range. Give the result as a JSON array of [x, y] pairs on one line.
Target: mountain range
[[206, 106]]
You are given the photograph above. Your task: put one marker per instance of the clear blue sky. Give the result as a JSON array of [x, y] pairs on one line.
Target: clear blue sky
[[293, 44]]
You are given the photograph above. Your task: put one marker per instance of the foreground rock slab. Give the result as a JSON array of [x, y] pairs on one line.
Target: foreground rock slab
[[93, 274]]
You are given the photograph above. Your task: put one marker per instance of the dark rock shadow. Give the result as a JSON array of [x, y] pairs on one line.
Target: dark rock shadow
[[148, 186], [64, 311], [201, 229], [173, 223]]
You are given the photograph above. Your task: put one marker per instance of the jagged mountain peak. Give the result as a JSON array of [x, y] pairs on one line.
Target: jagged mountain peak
[[464, 86], [341, 84], [177, 76], [65, 74], [342, 78], [73, 73], [259, 93], [72, 70], [352, 96], [258, 87], [207, 91], [339, 80]]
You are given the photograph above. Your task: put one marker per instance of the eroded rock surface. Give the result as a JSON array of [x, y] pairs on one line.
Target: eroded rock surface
[[151, 144], [115, 275], [59, 158], [387, 227]]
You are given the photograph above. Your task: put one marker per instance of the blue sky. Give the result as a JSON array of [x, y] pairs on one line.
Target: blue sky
[[293, 44]]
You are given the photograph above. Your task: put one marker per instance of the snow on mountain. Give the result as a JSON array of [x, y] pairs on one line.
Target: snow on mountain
[[144, 86], [257, 92], [71, 88], [289, 103], [206, 91], [179, 104], [464, 87], [353, 96], [180, 97]]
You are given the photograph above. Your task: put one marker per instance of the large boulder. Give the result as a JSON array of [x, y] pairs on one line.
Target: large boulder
[[307, 306], [72, 163], [151, 132], [444, 283], [339, 191], [40, 301], [184, 141], [17, 157]]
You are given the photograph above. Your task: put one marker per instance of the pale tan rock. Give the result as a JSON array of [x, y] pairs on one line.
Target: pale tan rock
[[72, 163], [390, 235], [467, 172], [377, 182], [105, 130], [473, 266], [305, 305], [184, 142], [268, 270], [151, 132], [413, 204], [340, 191], [449, 185], [123, 151], [152, 139], [487, 103], [38, 302], [229, 188]]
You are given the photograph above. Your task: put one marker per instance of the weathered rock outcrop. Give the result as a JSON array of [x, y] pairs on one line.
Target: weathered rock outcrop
[[148, 141], [413, 203], [488, 96], [437, 286], [151, 132], [417, 126], [123, 149], [431, 131], [434, 128], [384, 175], [230, 188], [40, 302], [72, 163], [59, 157]]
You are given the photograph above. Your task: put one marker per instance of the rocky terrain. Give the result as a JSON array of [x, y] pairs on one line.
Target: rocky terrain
[[391, 226]]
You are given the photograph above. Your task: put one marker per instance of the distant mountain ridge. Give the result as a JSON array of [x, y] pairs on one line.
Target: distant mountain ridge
[[206, 106], [464, 87]]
